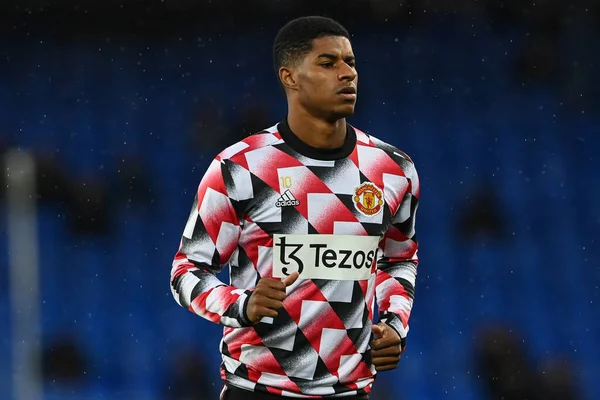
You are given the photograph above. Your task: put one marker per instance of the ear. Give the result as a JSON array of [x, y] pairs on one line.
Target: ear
[[288, 78]]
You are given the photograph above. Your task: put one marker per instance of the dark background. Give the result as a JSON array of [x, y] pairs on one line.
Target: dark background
[[123, 104]]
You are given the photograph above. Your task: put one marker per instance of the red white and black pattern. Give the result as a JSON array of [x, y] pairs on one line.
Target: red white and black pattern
[[318, 346]]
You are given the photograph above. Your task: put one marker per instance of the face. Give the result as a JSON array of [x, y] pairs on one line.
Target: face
[[325, 81]]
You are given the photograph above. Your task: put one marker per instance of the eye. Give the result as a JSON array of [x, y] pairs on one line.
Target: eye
[[327, 64]]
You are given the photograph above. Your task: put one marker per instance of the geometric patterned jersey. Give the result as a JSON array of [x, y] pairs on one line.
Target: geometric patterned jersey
[[271, 183]]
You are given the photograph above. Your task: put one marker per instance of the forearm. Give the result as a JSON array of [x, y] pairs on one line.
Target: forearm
[[196, 288], [395, 291], [209, 240]]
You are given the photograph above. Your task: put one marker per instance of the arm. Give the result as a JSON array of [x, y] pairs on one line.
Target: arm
[[397, 268], [209, 240]]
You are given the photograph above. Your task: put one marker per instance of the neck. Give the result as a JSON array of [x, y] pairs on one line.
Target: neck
[[316, 132]]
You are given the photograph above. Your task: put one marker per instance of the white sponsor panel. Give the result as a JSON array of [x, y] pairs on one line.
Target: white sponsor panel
[[333, 257]]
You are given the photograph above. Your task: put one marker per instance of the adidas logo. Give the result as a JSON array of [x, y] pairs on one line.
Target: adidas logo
[[287, 199]]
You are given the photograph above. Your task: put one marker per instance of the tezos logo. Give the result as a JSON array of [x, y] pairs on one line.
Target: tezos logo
[[322, 256]]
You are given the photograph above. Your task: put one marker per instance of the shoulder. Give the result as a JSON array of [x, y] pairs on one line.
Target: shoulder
[[266, 137], [398, 156]]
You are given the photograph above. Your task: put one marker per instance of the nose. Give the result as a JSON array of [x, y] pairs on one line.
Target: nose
[[347, 73]]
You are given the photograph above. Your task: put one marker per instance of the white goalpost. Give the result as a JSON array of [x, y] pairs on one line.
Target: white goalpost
[[23, 266]]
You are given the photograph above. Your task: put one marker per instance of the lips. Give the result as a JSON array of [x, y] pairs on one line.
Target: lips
[[348, 90]]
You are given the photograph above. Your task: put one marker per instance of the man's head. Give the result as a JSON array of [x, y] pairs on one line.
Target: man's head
[[315, 64]]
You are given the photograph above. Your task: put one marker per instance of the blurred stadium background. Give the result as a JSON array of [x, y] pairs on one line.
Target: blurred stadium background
[[111, 111]]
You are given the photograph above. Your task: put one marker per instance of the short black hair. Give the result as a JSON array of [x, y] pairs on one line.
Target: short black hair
[[295, 39]]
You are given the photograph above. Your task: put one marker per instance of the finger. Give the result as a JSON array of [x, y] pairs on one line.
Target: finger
[[383, 361], [376, 344], [269, 303], [386, 341], [262, 312], [377, 331], [272, 283], [382, 344], [270, 293], [379, 344], [385, 368], [387, 352], [291, 279]]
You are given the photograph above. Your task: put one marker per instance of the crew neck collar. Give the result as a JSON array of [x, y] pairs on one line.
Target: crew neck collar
[[317, 153]]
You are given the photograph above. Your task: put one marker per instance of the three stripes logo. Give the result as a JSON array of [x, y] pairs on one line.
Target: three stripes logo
[[287, 199]]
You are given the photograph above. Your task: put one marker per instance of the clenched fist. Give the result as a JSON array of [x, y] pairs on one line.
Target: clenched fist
[[267, 298], [386, 347]]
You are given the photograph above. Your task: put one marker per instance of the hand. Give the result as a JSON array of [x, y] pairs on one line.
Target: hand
[[385, 348], [268, 297]]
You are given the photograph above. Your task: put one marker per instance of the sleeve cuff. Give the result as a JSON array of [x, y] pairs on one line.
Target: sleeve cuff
[[395, 322], [244, 320]]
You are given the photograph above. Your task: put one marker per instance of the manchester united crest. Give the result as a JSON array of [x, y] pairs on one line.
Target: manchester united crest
[[368, 199]]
